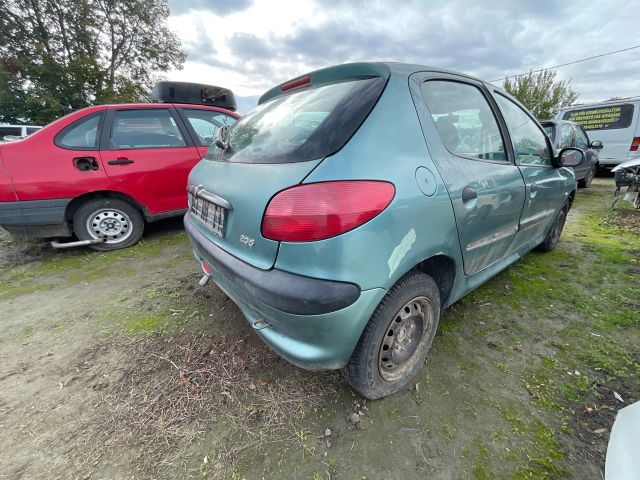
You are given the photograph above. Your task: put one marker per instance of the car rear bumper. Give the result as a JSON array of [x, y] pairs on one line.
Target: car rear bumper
[[35, 218], [313, 323]]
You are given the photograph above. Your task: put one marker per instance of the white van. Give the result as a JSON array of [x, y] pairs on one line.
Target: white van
[[614, 123]]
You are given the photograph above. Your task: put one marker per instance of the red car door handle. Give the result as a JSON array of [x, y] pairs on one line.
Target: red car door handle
[[120, 161]]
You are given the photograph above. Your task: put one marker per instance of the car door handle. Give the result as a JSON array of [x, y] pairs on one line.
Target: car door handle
[[120, 161], [85, 163], [533, 187], [469, 193]]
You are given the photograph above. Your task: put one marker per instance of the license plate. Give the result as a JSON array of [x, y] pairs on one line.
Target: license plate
[[213, 216]]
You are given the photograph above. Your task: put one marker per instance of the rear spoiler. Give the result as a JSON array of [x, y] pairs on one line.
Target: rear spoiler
[[325, 76]]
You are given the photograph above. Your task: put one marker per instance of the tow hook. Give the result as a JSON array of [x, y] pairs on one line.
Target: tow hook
[[204, 280]]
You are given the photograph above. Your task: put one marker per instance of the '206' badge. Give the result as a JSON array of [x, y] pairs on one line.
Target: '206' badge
[[248, 241]]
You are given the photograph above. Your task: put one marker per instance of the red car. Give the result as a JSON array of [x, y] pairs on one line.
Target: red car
[[101, 172]]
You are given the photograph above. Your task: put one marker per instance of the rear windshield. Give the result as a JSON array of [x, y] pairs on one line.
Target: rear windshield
[[301, 126], [608, 117]]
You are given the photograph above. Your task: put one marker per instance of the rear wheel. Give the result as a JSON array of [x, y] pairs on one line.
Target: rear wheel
[[395, 342], [551, 240], [118, 223], [588, 178]]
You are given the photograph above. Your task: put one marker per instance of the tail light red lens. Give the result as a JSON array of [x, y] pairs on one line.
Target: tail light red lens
[[635, 144], [316, 211]]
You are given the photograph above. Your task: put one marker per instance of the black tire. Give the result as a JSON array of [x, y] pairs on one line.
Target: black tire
[[117, 221], [588, 178], [372, 371], [551, 240]]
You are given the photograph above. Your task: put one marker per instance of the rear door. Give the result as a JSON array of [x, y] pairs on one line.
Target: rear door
[[545, 184], [486, 189], [147, 153]]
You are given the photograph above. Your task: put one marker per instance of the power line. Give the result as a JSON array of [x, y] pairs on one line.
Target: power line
[[566, 64]]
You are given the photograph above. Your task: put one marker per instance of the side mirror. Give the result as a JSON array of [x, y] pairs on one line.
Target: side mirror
[[596, 145], [570, 157]]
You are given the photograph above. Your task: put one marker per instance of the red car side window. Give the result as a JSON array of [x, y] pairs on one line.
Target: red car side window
[[82, 134]]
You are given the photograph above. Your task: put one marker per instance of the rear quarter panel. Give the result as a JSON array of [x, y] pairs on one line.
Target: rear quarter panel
[[389, 146]]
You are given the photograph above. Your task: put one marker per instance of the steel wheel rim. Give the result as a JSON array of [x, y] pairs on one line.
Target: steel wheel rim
[[403, 338], [109, 224]]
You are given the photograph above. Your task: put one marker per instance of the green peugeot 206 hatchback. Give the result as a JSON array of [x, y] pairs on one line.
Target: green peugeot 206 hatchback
[[356, 202]]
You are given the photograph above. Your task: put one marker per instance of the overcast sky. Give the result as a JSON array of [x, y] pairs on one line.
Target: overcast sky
[[252, 45]]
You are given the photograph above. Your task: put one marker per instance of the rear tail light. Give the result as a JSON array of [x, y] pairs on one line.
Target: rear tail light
[[316, 211], [635, 144]]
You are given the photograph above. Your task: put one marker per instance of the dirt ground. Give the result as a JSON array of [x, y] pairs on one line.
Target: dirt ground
[[118, 366]]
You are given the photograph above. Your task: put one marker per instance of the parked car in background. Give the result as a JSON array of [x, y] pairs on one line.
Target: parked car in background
[[9, 133], [614, 123], [569, 134], [355, 203], [102, 171]]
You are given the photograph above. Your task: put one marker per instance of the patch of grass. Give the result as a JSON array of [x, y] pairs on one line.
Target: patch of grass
[[544, 457], [480, 465]]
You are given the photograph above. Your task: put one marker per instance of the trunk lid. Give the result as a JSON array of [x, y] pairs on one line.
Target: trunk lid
[[248, 188], [275, 146]]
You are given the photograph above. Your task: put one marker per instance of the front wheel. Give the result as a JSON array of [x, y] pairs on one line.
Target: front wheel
[[395, 342], [551, 240], [588, 178], [118, 223]]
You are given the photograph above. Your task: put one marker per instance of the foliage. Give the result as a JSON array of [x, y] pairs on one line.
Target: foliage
[[59, 53], [541, 92]]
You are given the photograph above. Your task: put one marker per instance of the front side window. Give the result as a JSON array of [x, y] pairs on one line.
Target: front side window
[[81, 135], [464, 120], [206, 124], [581, 138], [148, 128], [529, 142]]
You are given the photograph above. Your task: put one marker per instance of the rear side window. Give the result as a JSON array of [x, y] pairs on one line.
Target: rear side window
[[206, 124], [529, 142], [82, 134], [301, 126], [464, 120], [602, 118], [148, 128]]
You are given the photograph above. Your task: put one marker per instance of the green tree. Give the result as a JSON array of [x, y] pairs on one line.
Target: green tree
[[541, 93], [59, 53]]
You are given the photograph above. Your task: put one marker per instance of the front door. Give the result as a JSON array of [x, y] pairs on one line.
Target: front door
[[543, 181], [148, 155], [486, 189]]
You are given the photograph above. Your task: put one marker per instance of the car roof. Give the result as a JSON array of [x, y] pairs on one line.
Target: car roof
[[372, 68], [96, 108]]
